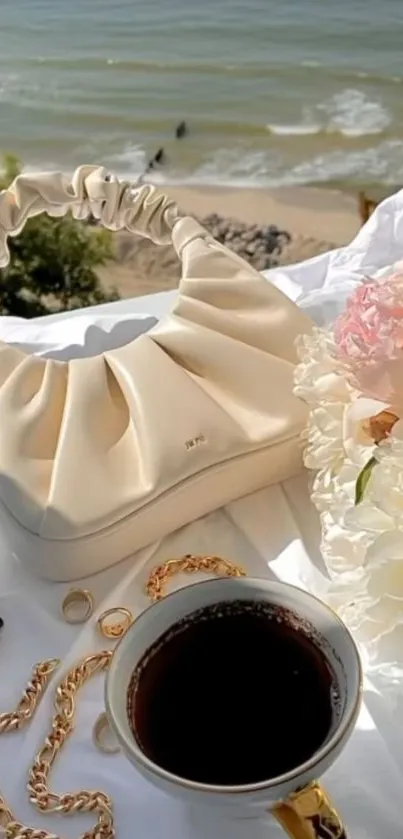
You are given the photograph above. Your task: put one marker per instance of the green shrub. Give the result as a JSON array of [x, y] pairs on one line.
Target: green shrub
[[52, 264]]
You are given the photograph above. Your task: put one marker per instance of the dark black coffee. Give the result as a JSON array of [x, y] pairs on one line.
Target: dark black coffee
[[234, 694]]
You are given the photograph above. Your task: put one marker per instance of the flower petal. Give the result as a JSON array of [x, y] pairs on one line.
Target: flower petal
[[364, 407], [387, 547], [397, 430], [368, 518]]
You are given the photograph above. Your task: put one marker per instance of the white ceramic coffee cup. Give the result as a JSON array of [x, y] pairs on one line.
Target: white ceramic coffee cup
[[295, 798]]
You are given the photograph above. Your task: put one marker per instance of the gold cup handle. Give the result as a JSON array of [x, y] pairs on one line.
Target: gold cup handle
[[308, 814]]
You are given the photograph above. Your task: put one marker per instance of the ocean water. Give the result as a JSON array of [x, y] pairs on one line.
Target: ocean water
[[274, 92]]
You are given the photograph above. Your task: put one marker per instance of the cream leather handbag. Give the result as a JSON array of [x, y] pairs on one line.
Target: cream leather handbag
[[101, 456]]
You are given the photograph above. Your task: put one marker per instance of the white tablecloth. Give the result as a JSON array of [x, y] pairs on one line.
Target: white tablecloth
[[272, 533]]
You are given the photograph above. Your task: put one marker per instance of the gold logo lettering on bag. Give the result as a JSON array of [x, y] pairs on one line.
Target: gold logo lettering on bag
[[195, 441]]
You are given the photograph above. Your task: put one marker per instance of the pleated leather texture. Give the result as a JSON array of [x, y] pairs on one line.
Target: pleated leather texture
[[88, 443]]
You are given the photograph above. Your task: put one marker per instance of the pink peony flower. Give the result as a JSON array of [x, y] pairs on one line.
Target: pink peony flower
[[369, 339]]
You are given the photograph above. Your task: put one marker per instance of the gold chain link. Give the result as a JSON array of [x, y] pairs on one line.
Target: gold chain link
[[84, 801], [26, 707], [189, 564]]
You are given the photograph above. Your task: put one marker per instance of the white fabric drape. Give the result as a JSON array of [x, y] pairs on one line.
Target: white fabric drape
[[274, 532]]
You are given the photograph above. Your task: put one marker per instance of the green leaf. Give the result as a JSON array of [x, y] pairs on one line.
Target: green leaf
[[363, 478]]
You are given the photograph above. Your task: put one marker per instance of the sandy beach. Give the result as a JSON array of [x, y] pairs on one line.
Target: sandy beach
[[316, 219], [304, 211]]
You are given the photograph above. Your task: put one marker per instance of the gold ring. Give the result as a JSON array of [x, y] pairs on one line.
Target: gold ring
[[81, 598], [115, 630], [99, 732]]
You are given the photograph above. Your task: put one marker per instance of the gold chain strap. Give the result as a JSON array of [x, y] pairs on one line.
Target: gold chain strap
[[189, 564], [84, 801], [26, 707]]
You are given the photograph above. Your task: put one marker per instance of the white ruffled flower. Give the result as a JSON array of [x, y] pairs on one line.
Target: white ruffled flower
[[362, 544]]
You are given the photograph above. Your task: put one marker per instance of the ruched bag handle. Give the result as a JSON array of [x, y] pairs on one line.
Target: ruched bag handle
[[116, 204]]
